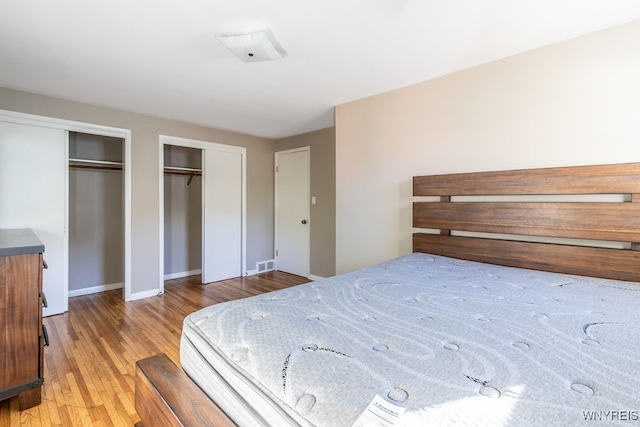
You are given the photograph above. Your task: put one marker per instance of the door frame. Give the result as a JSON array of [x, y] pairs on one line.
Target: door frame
[[202, 145], [94, 129], [308, 208]]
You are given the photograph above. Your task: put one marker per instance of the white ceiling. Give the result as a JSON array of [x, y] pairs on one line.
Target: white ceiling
[[161, 58]]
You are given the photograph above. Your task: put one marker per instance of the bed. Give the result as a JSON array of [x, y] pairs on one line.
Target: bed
[[511, 311]]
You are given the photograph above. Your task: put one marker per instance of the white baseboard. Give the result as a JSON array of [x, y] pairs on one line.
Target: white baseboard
[[314, 277], [181, 274], [145, 294], [94, 290], [251, 272]]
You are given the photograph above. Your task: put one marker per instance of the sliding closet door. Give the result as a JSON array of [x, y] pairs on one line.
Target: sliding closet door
[[32, 195], [222, 215]]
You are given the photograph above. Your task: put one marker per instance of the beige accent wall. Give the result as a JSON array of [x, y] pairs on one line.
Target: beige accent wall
[[145, 175], [323, 187], [571, 103]]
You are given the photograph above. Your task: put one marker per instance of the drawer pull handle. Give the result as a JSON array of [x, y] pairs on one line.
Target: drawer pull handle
[[45, 335], [44, 264], [44, 299]]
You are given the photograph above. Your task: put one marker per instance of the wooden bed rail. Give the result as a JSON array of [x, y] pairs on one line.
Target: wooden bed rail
[[166, 397]]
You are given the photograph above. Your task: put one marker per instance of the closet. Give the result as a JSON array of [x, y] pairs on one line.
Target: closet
[[182, 211], [206, 188], [96, 213]]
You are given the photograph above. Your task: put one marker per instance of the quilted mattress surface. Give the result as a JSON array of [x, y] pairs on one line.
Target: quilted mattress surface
[[453, 342]]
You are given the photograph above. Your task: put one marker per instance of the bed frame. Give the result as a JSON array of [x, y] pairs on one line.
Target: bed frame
[[509, 228]]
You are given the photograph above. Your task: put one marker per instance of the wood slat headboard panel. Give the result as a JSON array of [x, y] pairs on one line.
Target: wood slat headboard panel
[[598, 221], [600, 179], [584, 261], [609, 221]]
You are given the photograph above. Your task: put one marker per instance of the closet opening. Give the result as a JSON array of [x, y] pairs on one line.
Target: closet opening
[[96, 213], [182, 212], [219, 236]]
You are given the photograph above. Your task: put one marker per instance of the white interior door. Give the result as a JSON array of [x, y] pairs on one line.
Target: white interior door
[[292, 211], [33, 195], [222, 215]]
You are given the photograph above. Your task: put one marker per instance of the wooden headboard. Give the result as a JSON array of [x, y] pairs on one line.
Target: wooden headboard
[[615, 221]]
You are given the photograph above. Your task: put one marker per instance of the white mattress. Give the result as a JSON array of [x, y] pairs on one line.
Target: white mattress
[[454, 342]]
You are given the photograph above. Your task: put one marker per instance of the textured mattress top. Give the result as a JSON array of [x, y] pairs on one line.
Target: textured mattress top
[[454, 342]]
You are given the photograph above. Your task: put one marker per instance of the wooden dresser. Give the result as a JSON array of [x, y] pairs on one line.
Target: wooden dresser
[[22, 334]]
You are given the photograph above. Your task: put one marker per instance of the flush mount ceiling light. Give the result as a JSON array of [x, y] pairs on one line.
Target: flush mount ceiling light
[[253, 47]]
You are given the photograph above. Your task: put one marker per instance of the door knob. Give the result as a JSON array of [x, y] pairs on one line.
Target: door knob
[[304, 221]]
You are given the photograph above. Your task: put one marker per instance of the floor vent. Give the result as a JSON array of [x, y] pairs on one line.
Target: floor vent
[[263, 266]]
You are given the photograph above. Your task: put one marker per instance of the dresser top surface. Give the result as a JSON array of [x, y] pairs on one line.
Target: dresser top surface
[[19, 241]]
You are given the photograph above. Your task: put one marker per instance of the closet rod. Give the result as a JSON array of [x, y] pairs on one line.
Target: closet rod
[[179, 172], [94, 162], [99, 167]]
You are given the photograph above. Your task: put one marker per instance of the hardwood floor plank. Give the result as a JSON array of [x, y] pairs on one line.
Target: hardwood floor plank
[[89, 367]]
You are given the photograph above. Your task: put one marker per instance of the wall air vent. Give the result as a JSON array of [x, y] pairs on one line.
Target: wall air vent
[[264, 266]]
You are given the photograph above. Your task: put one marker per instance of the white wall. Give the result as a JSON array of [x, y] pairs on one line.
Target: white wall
[[572, 103]]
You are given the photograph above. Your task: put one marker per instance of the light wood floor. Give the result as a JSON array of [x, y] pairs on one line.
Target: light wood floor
[[90, 365]]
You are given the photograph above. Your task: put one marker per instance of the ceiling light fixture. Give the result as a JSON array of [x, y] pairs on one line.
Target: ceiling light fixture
[[253, 47]]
